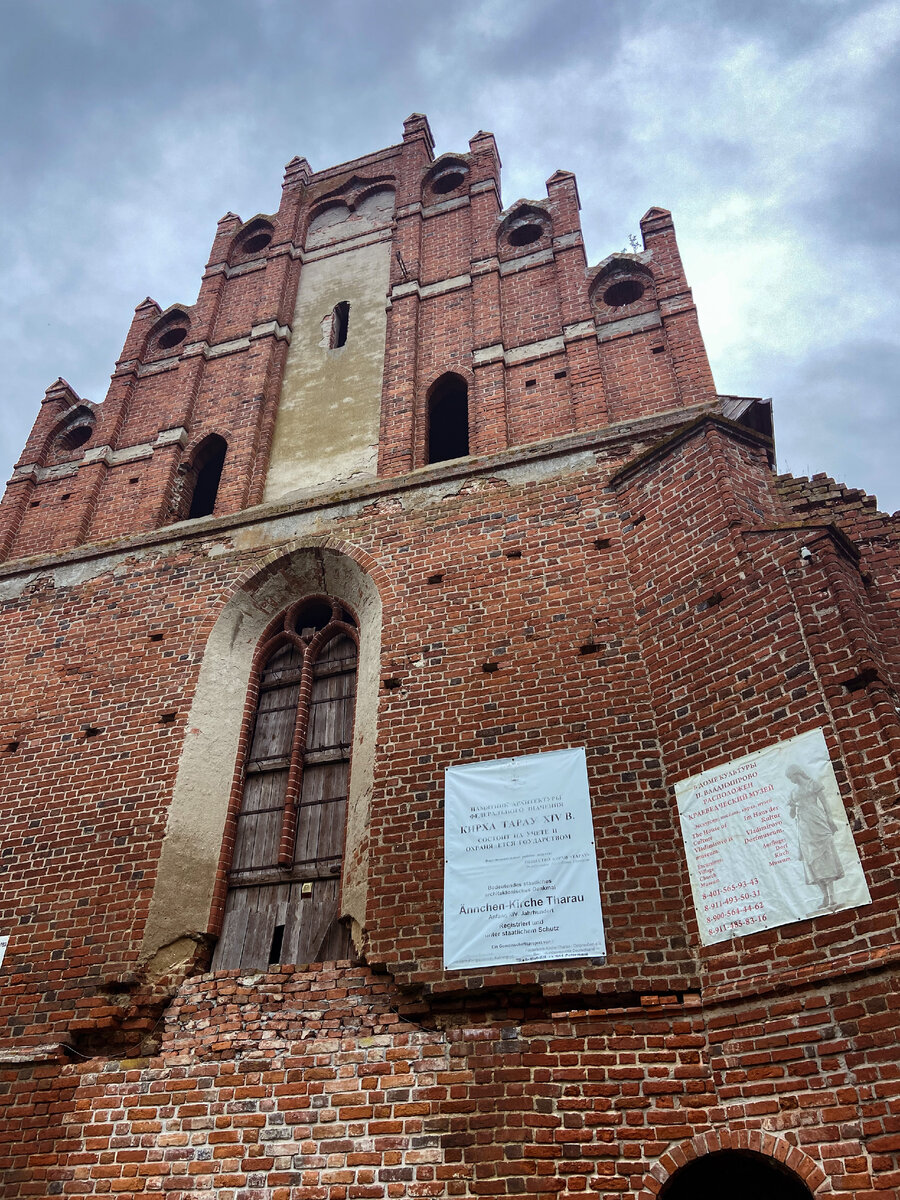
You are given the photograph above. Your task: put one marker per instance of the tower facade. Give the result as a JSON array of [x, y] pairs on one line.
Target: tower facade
[[412, 487]]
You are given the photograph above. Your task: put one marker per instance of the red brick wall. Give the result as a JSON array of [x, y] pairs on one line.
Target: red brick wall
[[616, 649], [325, 1084], [637, 582]]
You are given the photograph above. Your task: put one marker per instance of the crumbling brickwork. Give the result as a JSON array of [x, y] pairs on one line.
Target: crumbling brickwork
[[614, 566]]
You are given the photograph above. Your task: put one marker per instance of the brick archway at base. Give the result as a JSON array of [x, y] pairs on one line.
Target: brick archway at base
[[804, 1167]]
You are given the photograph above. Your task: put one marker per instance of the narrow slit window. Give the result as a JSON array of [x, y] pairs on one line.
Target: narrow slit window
[[276, 945], [340, 323], [448, 419], [206, 475]]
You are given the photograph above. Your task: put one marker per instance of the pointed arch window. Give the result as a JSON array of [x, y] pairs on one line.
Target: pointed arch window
[[448, 419], [205, 475], [285, 876]]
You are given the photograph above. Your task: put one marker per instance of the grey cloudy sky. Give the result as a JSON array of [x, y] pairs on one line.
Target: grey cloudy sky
[[769, 129]]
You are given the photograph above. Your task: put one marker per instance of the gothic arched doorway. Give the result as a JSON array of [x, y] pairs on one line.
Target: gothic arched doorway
[[734, 1175]]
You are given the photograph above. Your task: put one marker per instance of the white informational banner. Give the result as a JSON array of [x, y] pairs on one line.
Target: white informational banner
[[768, 841], [520, 866], [4, 942]]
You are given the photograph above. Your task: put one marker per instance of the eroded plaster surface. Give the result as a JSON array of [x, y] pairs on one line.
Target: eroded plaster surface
[[328, 417]]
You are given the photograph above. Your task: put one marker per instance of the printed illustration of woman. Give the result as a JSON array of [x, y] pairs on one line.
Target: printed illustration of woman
[[815, 830]]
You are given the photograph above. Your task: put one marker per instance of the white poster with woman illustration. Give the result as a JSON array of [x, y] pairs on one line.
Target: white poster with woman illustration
[[768, 841]]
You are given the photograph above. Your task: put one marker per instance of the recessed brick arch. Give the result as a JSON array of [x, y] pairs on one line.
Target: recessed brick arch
[[766, 1144], [188, 890], [273, 562]]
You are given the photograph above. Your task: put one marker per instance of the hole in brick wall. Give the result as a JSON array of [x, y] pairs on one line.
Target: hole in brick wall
[[118, 987], [172, 337], [524, 235], [602, 543], [862, 680], [167, 718], [66, 496], [391, 682], [258, 242], [90, 731], [35, 504], [437, 578], [135, 479], [712, 600], [156, 637], [559, 374], [490, 667], [340, 323], [530, 382], [639, 519], [12, 747], [209, 460], [626, 291], [590, 648], [513, 553], [658, 349], [449, 181]]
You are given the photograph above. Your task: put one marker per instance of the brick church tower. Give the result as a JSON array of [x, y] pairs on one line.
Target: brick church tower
[[415, 534]]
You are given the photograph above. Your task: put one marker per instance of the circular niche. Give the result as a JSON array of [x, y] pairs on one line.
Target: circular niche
[[75, 438], [448, 181], [622, 292], [525, 234], [172, 337], [256, 242]]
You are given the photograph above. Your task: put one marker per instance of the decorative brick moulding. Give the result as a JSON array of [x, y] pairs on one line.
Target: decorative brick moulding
[[414, 485]]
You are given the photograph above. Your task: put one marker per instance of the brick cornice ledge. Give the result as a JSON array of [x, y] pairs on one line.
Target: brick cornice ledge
[[32, 1056], [591, 441], [738, 433], [831, 970]]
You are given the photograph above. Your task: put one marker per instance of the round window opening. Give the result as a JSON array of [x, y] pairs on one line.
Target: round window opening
[[524, 235], [172, 337], [448, 182], [314, 615], [257, 242], [626, 291], [72, 439]]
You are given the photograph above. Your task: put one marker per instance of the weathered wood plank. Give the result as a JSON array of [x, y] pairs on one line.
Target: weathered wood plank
[[264, 896]]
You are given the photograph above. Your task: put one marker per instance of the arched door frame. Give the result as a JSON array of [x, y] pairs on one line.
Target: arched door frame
[[766, 1144]]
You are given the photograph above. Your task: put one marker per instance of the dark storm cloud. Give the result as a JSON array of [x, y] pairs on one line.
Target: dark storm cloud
[[766, 128], [857, 202]]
